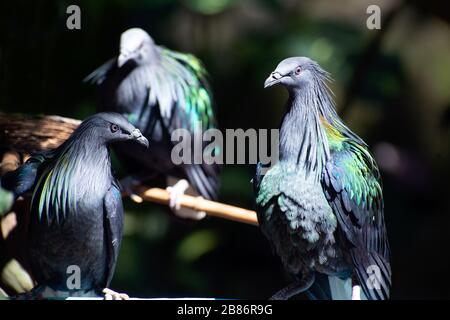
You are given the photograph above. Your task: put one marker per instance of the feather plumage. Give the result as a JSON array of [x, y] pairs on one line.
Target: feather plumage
[[352, 181], [76, 209], [319, 151], [166, 91]]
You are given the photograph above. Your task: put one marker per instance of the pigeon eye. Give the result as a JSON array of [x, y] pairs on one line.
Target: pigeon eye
[[298, 70], [114, 127]]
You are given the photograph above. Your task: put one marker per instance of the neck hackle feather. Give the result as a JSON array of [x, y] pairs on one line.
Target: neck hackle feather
[[308, 122], [74, 170]]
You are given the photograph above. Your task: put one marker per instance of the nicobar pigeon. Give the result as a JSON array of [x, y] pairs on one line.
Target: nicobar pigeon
[[321, 204], [76, 209], [158, 90]]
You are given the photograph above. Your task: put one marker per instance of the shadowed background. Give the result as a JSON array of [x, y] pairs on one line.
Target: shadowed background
[[391, 86]]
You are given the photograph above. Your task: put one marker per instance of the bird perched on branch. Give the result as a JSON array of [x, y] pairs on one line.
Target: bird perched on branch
[[159, 91], [76, 209], [321, 205]]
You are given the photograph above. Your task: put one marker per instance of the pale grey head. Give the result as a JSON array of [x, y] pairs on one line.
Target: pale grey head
[[295, 73], [136, 45]]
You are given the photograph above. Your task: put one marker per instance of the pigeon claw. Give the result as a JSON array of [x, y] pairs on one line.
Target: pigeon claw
[[112, 295], [175, 194], [136, 198], [356, 293]]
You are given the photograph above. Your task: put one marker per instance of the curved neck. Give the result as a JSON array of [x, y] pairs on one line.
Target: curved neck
[[89, 158], [302, 138]]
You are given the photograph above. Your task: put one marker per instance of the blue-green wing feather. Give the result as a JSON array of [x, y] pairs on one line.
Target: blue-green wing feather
[[352, 186], [189, 88], [175, 95], [192, 110], [99, 74]]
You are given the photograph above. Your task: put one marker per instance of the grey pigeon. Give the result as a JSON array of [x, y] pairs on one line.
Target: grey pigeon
[[159, 91], [321, 205], [76, 209]]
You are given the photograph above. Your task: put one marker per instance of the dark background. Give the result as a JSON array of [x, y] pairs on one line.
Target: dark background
[[391, 85]]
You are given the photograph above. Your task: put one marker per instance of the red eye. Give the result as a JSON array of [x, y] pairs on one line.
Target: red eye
[[114, 127], [298, 70]]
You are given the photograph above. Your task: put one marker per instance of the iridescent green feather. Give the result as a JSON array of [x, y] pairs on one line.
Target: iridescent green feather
[[355, 169], [192, 78], [55, 195], [188, 59]]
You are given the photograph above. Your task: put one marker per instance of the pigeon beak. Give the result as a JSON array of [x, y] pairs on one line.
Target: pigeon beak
[[143, 140], [124, 56], [122, 59], [274, 78], [137, 136]]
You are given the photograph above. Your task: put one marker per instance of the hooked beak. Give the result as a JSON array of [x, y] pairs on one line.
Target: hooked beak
[[137, 136], [274, 78]]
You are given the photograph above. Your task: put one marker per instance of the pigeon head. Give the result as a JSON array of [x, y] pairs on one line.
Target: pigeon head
[[110, 127], [135, 45], [295, 73]]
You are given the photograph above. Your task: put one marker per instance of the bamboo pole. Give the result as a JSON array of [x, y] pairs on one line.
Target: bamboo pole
[[28, 134]]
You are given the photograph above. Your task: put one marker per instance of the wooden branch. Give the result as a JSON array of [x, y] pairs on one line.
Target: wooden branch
[[10, 162], [212, 208], [29, 134]]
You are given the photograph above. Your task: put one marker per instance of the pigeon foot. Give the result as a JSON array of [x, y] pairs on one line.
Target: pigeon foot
[[294, 288], [175, 193], [112, 295], [356, 293]]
